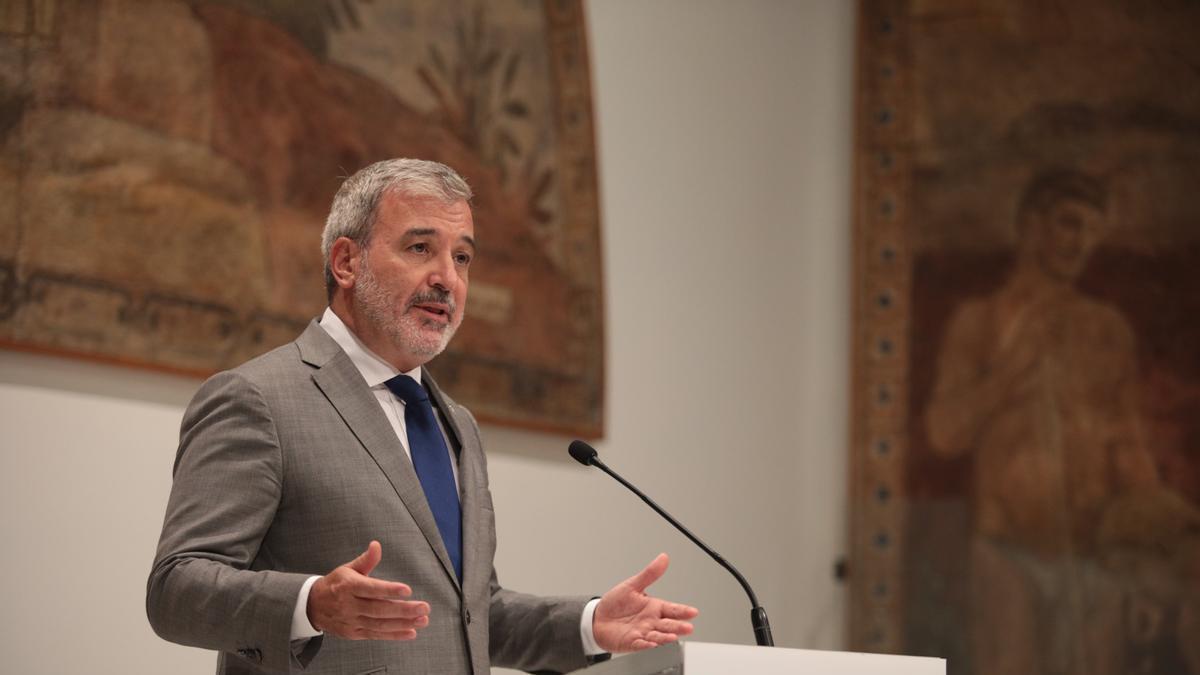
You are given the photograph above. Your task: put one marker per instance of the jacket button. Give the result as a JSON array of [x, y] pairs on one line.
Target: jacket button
[[468, 616]]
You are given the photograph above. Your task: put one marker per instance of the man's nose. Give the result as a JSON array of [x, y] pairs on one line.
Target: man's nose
[[444, 274]]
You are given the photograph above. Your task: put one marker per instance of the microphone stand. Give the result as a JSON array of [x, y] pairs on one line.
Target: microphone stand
[[585, 454]]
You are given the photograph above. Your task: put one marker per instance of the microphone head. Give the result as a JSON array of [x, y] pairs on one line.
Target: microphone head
[[582, 452]]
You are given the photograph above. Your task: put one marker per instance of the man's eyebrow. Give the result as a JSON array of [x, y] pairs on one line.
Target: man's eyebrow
[[429, 231]]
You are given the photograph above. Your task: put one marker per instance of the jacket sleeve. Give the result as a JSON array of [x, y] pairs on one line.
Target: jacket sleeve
[[535, 633], [203, 590]]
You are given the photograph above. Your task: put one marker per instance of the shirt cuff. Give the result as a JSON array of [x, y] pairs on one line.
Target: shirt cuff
[[301, 628], [590, 648]]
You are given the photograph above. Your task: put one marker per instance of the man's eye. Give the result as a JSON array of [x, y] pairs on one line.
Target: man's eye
[[463, 259], [419, 248]]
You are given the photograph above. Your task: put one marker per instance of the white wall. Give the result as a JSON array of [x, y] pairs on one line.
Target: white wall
[[724, 140]]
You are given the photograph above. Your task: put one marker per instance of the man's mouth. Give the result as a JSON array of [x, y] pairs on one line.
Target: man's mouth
[[434, 310]]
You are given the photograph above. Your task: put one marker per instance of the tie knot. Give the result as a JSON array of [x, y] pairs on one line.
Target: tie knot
[[408, 389]]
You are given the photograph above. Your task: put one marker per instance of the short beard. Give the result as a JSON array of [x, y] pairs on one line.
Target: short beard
[[404, 330]]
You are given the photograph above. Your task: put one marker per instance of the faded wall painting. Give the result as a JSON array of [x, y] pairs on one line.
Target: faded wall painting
[[166, 167], [1026, 458]]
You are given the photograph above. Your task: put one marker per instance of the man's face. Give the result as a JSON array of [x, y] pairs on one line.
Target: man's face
[[412, 284], [1063, 236]]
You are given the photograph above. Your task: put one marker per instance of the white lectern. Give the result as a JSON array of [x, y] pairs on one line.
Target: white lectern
[[705, 658]]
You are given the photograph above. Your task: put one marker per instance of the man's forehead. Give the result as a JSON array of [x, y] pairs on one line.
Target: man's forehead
[[421, 201], [409, 212]]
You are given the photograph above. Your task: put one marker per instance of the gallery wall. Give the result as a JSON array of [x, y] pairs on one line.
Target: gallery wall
[[724, 143]]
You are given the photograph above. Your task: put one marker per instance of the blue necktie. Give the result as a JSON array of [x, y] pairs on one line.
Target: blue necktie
[[431, 459]]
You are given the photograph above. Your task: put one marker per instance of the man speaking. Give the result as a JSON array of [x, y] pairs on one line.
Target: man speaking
[[337, 454]]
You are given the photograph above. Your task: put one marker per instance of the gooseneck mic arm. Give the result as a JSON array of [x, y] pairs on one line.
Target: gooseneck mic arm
[[587, 456]]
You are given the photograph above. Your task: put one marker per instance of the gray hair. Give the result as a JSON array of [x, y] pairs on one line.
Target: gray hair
[[352, 214]]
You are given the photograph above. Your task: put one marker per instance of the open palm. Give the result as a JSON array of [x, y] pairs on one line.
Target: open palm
[[628, 620]]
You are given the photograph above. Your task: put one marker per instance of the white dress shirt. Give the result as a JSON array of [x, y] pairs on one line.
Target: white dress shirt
[[377, 372]]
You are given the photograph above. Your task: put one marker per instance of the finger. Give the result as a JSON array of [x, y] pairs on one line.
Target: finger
[[652, 573], [364, 634], [673, 627], [392, 625], [674, 610], [660, 638], [378, 589], [640, 644], [366, 562], [391, 609]]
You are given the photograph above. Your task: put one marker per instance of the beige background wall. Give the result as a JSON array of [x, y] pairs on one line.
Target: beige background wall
[[724, 133]]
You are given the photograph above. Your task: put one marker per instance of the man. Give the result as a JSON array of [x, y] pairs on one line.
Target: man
[[1039, 381], [338, 452]]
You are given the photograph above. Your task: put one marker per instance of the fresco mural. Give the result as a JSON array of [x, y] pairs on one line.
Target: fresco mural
[[166, 166], [1026, 450]]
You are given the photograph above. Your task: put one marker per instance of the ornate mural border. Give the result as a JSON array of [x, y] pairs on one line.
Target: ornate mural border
[[882, 291]]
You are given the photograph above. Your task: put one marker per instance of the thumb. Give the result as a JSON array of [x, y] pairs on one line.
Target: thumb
[[652, 573], [366, 562]]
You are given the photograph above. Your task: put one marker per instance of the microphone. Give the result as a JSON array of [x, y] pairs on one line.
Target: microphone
[[587, 456]]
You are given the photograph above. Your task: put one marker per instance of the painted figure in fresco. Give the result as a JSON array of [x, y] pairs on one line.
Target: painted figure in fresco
[[1073, 533]]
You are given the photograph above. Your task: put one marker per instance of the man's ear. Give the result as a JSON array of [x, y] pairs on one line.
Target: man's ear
[[345, 258]]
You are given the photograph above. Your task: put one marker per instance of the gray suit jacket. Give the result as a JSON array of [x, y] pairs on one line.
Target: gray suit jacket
[[287, 468]]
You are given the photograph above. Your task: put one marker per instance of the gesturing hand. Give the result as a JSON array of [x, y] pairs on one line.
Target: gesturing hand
[[350, 604], [628, 620]]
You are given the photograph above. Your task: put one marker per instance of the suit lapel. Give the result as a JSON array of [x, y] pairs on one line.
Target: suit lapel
[[344, 387]]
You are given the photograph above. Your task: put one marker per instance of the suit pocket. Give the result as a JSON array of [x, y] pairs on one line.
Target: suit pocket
[[374, 671]]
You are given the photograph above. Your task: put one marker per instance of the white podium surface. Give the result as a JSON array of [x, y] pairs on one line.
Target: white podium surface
[[706, 658]]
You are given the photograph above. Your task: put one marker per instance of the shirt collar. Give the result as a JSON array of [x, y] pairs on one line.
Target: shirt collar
[[374, 369]]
